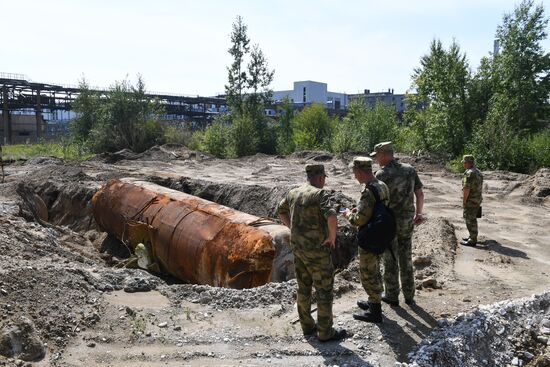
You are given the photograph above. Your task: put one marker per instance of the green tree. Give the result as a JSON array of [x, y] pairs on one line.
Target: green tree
[[248, 89], [125, 118], [539, 148], [363, 127], [348, 132], [258, 80], [480, 91], [237, 78], [285, 144], [243, 137], [312, 128], [497, 145], [86, 106], [258, 96], [380, 125], [441, 83], [521, 68], [215, 138], [516, 83]]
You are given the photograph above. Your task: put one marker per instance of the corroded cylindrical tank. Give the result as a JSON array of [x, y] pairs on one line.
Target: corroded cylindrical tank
[[194, 239]]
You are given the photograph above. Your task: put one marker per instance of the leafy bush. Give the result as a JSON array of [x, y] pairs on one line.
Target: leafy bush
[[285, 144], [363, 127], [175, 135], [243, 137], [123, 118], [267, 136], [380, 124], [407, 140], [455, 165], [498, 146], [348, 135], [196, 140], [539, 149], [312, 128], [214, 140], [87, 105], [344, 138]]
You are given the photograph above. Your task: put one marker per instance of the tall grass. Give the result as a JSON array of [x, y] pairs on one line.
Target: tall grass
[[67, 151]]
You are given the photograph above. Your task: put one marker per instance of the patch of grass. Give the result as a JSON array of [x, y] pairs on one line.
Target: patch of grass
[[65, 150]]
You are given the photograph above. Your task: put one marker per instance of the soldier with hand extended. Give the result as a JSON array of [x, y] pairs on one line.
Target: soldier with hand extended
[[369, 263], [308, 211], [405, 186], [472, 184]]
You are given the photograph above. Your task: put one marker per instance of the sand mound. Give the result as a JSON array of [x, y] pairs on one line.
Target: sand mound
[[538, 185]]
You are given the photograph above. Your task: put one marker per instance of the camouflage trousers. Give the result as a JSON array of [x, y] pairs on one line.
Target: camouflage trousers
[[371, 279], [401, 266], [470, 217], [315, 269]]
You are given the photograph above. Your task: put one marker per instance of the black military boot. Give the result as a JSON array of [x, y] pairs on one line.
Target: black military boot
[[364, 305], [469, 242], [373, 314]]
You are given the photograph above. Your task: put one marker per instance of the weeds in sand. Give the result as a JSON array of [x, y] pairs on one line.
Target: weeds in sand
[[139, 324], [187, 311]]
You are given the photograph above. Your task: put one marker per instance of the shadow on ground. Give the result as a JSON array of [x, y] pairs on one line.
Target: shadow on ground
[[497, 247], [334, 353], [417, 321]]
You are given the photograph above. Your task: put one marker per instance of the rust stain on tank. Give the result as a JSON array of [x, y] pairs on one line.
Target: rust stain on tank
[[193, 239]]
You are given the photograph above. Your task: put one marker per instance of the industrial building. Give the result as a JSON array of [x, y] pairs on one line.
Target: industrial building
[[307, 92]]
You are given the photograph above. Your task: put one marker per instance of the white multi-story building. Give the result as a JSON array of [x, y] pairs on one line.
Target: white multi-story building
[[307, 92]]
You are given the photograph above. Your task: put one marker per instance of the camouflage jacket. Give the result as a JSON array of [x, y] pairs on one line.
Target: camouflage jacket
[[403, 181], [474, 180], [366, 203], [308, 208]]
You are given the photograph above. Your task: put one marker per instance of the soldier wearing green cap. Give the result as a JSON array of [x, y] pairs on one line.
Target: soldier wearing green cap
[[472, 184], [369, 263], [308, 211], [405, 186]]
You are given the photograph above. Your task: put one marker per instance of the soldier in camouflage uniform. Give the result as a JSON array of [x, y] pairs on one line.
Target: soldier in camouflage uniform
[[369, 263], [308, 211], [405, 186], [472, 184]]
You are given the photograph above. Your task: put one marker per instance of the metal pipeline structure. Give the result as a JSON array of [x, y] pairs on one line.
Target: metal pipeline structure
[[193, 239]]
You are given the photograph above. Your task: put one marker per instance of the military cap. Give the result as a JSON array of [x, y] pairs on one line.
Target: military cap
[[386, 146], [313, 170], [364, 163], [468, 158]]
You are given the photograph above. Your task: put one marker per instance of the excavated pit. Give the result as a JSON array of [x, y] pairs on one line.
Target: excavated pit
[[66, 202]]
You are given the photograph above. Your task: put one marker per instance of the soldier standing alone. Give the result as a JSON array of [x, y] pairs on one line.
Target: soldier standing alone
[[472, 184], [369, 263], [307, 210], [404, 185]]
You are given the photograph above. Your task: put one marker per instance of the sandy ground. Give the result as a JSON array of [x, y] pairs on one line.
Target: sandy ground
[[160, 327]]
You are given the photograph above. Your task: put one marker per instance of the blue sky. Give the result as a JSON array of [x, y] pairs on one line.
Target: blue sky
[[181, 46]]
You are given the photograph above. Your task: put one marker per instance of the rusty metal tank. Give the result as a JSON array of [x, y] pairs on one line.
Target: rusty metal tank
[[196, 240]]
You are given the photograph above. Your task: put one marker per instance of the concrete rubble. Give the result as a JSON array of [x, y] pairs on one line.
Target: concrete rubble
[[507, 333]]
